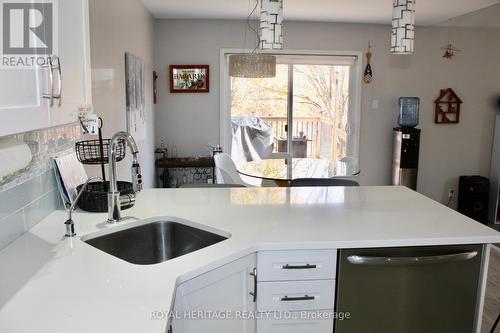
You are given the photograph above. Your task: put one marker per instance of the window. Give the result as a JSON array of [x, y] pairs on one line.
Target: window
[[310, 110]]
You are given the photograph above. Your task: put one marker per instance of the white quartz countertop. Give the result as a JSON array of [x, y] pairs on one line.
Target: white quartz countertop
[[49, 283]]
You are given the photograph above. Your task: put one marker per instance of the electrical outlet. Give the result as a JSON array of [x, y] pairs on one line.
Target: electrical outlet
[[451, 193]]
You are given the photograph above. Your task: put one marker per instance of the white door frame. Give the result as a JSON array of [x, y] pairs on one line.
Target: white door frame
[[356, 78]]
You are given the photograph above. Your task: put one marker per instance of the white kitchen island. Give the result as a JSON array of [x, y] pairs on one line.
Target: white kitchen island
[[50, 283]]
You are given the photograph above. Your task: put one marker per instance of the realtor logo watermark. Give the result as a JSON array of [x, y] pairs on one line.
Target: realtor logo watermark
[[29, 32]]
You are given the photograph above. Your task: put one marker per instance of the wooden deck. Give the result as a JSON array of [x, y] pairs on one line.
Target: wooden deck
[[325, 140]]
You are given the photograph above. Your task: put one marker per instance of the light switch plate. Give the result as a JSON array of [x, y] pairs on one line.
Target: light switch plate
[[89, 123]]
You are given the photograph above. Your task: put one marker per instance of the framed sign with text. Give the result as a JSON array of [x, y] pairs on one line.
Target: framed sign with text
[[189, 79]]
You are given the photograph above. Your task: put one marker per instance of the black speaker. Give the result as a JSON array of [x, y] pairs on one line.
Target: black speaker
[[473, 197]]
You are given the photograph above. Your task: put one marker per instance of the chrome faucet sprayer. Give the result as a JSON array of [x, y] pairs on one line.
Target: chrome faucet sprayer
[[114, 205], [136, 175]]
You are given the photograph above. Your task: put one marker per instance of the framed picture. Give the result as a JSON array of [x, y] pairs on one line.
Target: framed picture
[[189, 79]]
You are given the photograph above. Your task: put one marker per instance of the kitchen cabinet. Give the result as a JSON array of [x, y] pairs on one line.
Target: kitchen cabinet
[[46, 96], [296, 265], [309, 323], [74, 58], [299, 285], [22, 107], [286, 296], [276, 291], [201, 303]]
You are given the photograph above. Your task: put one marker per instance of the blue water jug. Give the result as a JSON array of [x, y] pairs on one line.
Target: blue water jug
[[409, 110]]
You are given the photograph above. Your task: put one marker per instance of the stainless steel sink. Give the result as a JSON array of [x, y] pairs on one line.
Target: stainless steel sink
[[154, 242]]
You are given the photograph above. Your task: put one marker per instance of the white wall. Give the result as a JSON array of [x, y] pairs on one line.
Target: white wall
[[116, 27], [448, 151]]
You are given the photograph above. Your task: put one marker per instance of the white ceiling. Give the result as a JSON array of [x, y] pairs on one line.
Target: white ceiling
[[429, 12], [484, 18]]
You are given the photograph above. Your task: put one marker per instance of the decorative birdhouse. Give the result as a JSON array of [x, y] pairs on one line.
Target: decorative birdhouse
[[447, 107]]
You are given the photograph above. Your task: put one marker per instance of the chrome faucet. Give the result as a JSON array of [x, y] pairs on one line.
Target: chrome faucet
[[70, 225], [114, 201]]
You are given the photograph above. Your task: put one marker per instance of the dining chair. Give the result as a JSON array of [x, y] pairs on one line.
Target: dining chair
[[226, 172], [312, 182], [205, 185]]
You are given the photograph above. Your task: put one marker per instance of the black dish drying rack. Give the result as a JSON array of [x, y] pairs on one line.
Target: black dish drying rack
[[95, 196], [96, 152]]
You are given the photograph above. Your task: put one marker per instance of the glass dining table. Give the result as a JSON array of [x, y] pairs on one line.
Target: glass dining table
[[281, 171]]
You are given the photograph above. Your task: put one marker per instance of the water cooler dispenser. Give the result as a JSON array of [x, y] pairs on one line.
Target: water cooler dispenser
[[406, 144]]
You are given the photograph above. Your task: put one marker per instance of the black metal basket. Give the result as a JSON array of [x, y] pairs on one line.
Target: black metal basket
[[89, 152], [95, 196]]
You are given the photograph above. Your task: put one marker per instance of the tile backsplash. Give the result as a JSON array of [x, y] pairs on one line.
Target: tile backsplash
[[31, 194]]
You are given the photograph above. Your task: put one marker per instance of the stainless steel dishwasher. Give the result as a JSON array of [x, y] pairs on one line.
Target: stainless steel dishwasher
[[409, 290]]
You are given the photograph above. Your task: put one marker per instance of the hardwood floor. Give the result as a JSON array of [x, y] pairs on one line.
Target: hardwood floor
[[492, 301]]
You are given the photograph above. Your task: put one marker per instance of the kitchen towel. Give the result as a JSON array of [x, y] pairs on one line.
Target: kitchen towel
[[14, 156]]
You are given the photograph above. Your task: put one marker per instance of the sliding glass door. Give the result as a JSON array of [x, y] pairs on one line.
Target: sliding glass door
[[259, 114], [306, 111], [320, 108]]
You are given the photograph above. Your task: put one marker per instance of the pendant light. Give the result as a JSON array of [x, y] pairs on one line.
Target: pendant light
[[403, 27], [256, 64], [271, 25], [252, 65]]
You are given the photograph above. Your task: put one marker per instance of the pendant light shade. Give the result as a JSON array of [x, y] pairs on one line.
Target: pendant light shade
[[252, 65], [257, 64], [403, 27], [271, 25]]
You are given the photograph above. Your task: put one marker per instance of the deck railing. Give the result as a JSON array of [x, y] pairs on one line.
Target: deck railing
[[317, 130]]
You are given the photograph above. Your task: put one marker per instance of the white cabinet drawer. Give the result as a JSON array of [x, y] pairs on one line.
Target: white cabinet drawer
[[296, 265], [295, 295], [303, 322]]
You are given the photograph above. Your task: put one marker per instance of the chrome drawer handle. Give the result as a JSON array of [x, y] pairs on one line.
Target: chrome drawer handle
[[254, 292], [308, 266], [368, 260], [296, 299], [50, 95], [59, 79]]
